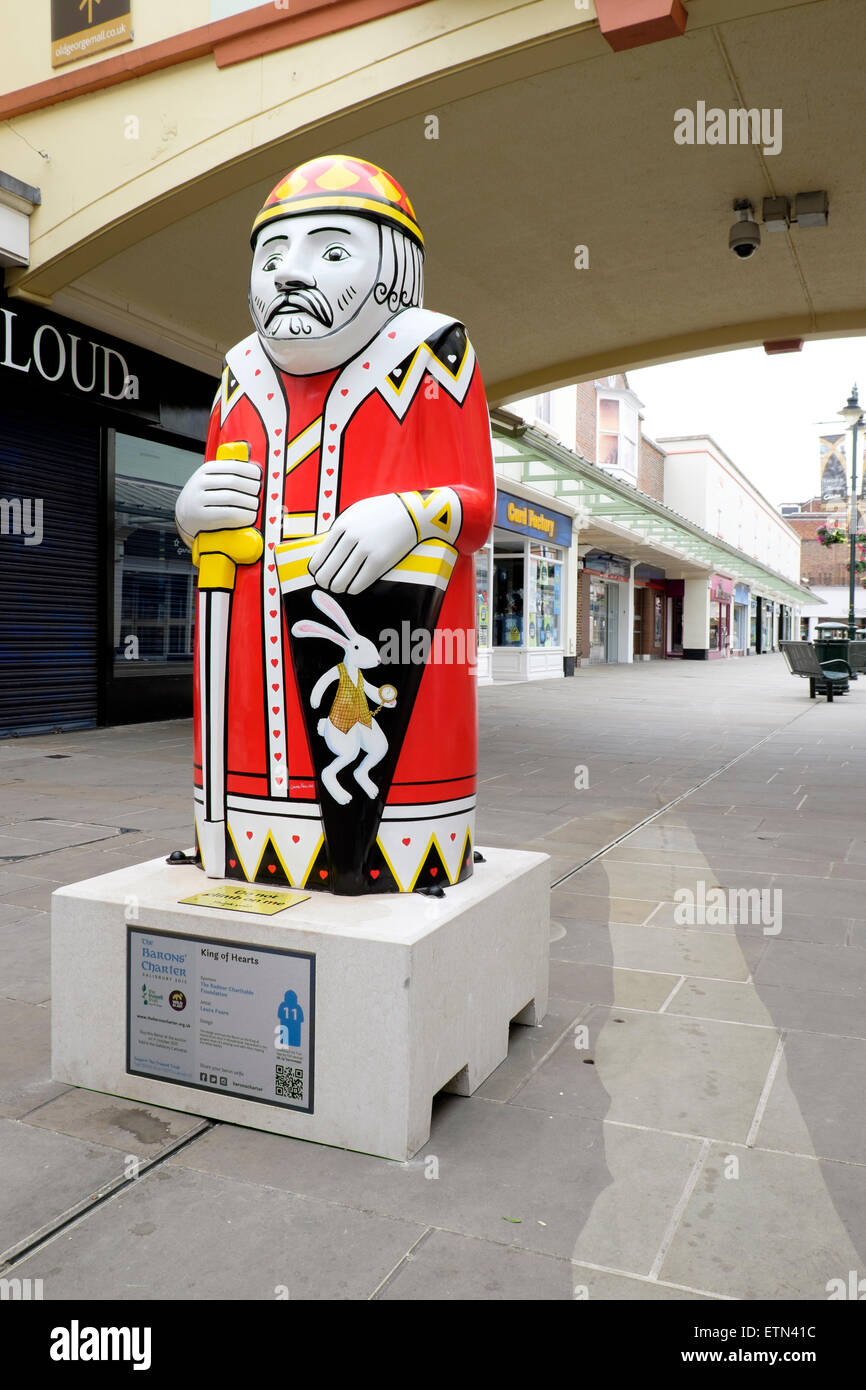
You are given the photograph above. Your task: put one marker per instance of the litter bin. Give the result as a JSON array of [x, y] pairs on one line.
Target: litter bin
[[831, 642]]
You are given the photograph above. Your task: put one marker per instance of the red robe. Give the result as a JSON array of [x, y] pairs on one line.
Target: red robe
[[408, 415]]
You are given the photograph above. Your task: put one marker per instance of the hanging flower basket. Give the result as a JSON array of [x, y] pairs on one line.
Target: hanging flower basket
[[831, 535]]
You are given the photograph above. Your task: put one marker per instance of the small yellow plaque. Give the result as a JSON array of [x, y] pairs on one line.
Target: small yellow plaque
[[241, 899]]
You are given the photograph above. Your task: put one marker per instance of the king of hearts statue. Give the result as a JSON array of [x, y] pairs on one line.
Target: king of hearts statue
[[348, 481]]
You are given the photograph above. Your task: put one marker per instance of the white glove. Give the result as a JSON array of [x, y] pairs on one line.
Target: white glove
[[221, 495], [366, 540]]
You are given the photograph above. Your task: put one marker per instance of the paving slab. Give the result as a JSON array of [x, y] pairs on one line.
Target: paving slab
[[45, 1175], [689, 1076], [25, 1057], [741, 1236], [815, 1105], [629, 989], [500, 1171], [139, 1131], [239, 1241], [25, 956]]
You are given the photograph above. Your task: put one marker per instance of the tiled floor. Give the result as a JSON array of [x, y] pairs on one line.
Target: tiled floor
[[688, 1121]]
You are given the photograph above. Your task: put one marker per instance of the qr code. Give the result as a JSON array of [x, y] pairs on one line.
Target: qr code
[[289, 1082]]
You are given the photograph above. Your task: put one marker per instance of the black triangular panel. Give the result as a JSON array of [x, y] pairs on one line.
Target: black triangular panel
[[397, 375], [270, 869], [466, 859], [449, 346], [433, 871], [234, 867], [351, 829]]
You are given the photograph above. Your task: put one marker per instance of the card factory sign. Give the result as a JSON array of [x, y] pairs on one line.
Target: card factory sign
[[516, 514], [80, 28]]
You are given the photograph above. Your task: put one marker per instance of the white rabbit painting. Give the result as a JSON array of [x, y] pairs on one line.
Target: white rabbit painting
[[350, 727]]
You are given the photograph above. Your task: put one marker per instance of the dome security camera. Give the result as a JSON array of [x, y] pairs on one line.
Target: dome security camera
[[745, 235]]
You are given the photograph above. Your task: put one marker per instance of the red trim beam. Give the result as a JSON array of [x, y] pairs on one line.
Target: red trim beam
[[633, 23]]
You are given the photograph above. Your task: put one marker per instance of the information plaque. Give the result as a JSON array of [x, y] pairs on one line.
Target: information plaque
[[222, 1016]]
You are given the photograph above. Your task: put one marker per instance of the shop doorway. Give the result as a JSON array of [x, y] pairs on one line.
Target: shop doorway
[[675, 624], [508, 592], [612, 642]]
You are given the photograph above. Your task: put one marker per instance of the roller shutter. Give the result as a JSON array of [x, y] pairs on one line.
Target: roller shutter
[[49, 590]]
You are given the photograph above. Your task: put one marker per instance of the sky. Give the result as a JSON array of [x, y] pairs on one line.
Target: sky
[[765, 412]]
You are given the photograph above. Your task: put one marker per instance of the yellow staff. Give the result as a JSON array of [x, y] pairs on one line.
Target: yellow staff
[[217, 555]]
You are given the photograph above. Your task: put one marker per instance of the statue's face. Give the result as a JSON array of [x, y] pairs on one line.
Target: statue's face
[[312, 277]]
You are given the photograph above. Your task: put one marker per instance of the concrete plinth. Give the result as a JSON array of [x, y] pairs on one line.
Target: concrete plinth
[[412, 994]]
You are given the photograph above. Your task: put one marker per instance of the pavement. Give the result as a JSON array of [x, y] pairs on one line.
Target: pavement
[[686, 1123]]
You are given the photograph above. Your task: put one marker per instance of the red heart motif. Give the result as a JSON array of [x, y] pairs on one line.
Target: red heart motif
[[249, 834], [275, 732], [272, 519], [233, 863], [277, 453], [344, 392], [408, 840], [374, 873], [274, 496], [296, 839], [272, 591], [270, 395], [366, 366], [275, 687], [453, 835], [248, 351], [323, 873], [271, 568], [331, 448], [392, 335], [279, 781], [276, 473], [270, 547], [275, 709], [273, 612], [273, 639], [433, 873], [279, 431], [330, 492], [326, 516], [278, 756], [329, 471], [332, 427], [258, 371], [274, 661], [272, 868]]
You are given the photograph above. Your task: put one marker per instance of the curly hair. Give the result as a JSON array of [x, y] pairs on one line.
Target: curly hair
[[401, 281]]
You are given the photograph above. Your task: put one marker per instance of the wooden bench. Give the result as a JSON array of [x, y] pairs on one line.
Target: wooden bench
[[823, 677]]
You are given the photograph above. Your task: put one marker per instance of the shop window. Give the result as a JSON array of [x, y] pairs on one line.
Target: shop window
[[154, 582], [617, 435], [545, 562], [482, 596], [508, 593]]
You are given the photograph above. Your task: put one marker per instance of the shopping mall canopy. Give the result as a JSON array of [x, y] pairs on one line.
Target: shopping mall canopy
[[615, 516], [521, 135]]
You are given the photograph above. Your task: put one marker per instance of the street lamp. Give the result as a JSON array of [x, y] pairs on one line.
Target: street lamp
[[853, 416]]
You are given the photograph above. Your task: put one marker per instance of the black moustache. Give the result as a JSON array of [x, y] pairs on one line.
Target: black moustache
[[303, 301]]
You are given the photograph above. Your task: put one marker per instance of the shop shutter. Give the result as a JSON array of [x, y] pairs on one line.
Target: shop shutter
[[48, 591]]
